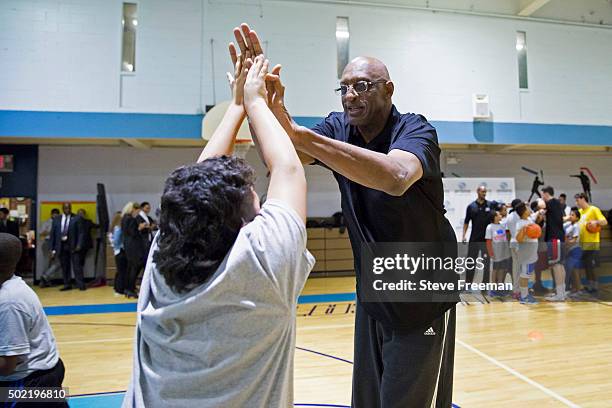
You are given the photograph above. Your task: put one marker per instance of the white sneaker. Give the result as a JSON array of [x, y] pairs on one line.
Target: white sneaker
[[555, 298]]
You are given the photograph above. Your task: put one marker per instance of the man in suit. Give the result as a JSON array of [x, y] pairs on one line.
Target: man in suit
[[67, 241], [6, 225], [147, 231]]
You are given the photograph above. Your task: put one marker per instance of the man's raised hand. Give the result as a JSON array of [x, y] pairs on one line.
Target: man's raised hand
[[241, 63], [247, 40]]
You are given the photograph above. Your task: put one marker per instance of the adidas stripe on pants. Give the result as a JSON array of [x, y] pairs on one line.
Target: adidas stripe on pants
[[403, 368]]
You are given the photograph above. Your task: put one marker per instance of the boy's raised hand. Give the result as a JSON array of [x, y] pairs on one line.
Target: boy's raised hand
[[242, 64], [255, 85]]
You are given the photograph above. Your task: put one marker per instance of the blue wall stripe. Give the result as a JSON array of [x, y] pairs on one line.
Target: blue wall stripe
[[99, 125], [92, 125]]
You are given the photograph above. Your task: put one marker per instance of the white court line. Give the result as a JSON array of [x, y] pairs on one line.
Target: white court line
[[95, 341], [515, 373]]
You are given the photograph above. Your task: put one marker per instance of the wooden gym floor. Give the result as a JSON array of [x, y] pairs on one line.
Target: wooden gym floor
[[507, 354]]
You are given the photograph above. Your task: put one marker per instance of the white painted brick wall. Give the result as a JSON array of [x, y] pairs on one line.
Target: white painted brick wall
[[65, 55]]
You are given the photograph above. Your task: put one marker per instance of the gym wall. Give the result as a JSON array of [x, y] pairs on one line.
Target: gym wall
[[65, 56]]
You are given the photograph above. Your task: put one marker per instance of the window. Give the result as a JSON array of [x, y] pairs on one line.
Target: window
[[521, 52], [128, 48], [342, 43]]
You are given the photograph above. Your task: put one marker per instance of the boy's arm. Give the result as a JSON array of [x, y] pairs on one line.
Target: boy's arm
[[8, 364], [287, 180], [222, 141]]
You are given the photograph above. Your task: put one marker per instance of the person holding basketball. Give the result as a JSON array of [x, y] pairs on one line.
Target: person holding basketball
[[591, 221], [527, 237]]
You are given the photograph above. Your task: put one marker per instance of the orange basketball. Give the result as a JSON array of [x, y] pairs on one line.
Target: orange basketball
[[593, 228], [534, 231]]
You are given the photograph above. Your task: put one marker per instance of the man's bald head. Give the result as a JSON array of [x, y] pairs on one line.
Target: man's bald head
[[373, 66], [367, 109]]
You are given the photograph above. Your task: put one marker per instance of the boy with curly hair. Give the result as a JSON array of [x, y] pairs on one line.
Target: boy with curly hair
[[216, 313]]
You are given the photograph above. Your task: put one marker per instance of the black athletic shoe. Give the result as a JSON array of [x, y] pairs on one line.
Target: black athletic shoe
[[129, 294], [43, 283], [65, 288]]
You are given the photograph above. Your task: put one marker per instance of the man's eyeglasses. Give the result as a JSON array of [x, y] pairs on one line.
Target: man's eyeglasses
[[358, 87]]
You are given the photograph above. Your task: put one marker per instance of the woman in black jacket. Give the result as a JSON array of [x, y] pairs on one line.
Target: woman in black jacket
[[134, 249]]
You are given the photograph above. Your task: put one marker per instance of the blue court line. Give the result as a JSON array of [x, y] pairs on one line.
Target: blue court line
[[131, 307], [91, 309], [304, 299], [115, 399], [323, 354], [328, 297]]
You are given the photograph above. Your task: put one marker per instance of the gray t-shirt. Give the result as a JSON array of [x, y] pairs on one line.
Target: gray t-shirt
[[572, 231], [528, 249], [230, 341], [497, 234], [25, 330]]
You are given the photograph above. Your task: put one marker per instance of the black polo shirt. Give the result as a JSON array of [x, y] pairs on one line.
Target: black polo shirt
[[481, 215], [554, 221], [374, 216]]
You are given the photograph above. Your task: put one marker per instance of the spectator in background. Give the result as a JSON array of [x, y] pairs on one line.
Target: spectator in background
[[479, 214], [87, 226], [133, 245], [498, 250], [527, 253], [150, 226], [116, 239], [6, 225], [52, 266], [538, 216], [591, 219], [511, 221], [554, 236], [566, 208], [28, 352], [67, 240], [573, 259]]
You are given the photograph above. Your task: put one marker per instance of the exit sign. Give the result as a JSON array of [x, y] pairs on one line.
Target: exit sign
[[6, 163]]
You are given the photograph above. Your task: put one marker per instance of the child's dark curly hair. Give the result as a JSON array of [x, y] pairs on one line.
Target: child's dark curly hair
[[202, 210]]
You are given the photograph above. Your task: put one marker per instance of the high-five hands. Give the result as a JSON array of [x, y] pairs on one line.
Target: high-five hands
[[255, 85], [250, 47]]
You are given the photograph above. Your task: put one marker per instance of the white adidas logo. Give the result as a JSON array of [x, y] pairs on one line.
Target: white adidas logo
[[430, 332]]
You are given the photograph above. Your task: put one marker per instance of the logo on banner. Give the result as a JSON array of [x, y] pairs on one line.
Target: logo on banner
[[504, 188], [462, 188]]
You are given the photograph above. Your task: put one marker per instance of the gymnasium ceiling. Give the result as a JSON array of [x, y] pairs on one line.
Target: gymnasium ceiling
[[598, 12]]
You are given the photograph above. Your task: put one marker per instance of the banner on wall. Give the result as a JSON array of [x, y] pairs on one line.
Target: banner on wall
[[461, 191], [47, 206], [45, 214]]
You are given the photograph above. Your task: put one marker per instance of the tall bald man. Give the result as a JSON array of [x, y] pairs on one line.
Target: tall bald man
[[387, 167]]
